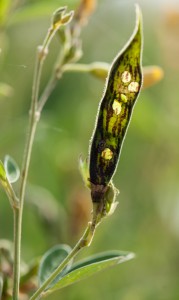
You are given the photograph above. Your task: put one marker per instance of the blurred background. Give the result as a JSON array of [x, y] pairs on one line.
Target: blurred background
[[58, 205]]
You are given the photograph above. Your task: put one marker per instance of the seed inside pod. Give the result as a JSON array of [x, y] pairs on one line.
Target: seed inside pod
[[126, 77], [107, 154], [116, 107], [133, 87]]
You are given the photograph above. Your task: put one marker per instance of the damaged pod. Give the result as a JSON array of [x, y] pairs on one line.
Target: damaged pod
[[122, 88]]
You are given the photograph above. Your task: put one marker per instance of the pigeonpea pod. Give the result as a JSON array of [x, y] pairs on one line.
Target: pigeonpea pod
[[122, 88]]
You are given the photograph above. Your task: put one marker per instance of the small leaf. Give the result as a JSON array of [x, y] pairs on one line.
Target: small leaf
[[3, 177], [91, 266], [12, 169], [84, 170], [51, 260]]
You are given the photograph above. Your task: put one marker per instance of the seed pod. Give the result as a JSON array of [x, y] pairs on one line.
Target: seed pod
[[122, 88]]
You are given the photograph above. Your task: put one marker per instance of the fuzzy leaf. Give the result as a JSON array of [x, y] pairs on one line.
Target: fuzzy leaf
[[12, 169], [51, 260], [91, 266]]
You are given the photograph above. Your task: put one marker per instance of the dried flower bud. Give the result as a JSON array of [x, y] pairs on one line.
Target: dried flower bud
[[84, 11], [152, 75], [60, 18]]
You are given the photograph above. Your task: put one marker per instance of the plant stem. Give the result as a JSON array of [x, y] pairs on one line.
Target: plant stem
[[16, 271], [34, 116], [84, 68], [33, 119], [84, 241]]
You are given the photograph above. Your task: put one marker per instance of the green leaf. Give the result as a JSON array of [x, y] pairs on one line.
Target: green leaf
[[90, 266], [12, 169], [2, 173], [51, 260], [84, 170]]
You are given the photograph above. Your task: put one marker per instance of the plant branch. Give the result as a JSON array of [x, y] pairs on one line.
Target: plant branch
[[17, 250], [84, 68], [33, 120]]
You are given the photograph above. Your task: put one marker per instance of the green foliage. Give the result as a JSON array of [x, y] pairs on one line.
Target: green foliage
[[50, 261], [12, 169], [90, 266]]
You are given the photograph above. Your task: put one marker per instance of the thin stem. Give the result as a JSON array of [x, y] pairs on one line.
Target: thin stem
[[84, 68], [83, 242], [34, 117], [28, 149], [17, 250]]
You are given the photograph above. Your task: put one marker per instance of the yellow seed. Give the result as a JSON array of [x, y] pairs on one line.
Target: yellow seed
[[116, 107], [107, 154], [133, 87], [126, 77], [124, 98]]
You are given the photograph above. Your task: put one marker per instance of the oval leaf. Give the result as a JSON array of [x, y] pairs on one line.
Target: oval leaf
[[91, 266], [12, 169], [51, 260]]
